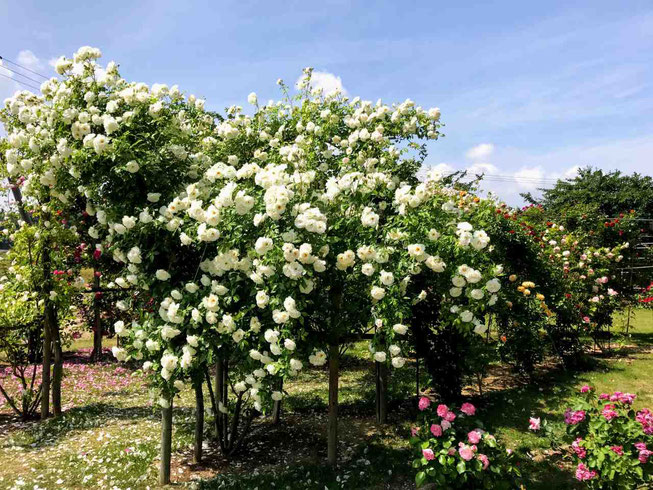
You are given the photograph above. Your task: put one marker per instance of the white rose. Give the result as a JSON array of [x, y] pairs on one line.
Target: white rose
[[162, 275], [380, 356], [132, 167]]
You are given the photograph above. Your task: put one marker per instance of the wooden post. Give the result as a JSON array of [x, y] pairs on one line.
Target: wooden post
[[332, 438], [199, 422], [381, 393], [166, 444]]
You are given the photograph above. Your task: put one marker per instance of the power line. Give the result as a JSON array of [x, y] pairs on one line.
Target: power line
[[510, 178], [20, 74], [18, 81], [23, 67]]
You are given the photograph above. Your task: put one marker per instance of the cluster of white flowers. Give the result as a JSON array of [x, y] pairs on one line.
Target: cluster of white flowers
[[258, 216]]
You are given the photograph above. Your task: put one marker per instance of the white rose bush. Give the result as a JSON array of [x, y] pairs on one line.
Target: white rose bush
[[257, 242]]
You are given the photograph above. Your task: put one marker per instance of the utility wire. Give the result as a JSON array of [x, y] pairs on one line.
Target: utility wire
[[19, 81], [20, 74], [23, 67]]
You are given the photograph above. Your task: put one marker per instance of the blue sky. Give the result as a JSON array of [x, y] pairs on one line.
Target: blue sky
[[528, 90]]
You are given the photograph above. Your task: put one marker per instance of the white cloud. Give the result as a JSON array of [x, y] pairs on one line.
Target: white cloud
[[29, 60], [529, 178], [53, 62], [481, 168], [480, 152], [7, 85], [328, 82]]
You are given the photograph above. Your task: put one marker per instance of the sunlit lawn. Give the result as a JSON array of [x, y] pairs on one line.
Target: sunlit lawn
[[108, 437]]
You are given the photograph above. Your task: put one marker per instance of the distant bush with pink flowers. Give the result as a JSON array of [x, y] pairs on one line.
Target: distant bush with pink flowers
[[454, 451], [612, 442]]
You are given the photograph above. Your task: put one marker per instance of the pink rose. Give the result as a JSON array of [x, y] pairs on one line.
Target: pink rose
[[609, 412], [450, 416], [534, 423], [468, 409], [442, 410], [619, 450], [583, 473], [428, 454], [466, 452], [585, 389], [436, 430], [414, 431], [445, 424], [578, 449], [483, 459], [474, 437], [423, 403]]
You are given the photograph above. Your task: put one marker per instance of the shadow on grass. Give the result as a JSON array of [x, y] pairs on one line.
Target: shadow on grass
[[367, 467], [43, 434]]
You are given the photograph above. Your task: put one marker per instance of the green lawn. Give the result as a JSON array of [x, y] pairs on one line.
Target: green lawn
[[108, 436]]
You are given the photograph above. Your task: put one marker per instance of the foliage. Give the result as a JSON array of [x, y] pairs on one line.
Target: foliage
[[595, 192], [610, 440], [454, 450]]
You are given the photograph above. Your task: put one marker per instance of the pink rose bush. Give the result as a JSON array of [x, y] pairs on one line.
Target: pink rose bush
[[453, 450], [612, 442]]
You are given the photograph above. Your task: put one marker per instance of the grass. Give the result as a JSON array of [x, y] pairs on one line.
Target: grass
[[108, 436]]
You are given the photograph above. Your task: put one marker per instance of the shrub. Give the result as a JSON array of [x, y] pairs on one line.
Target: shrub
[[454, 451], [610, 440]]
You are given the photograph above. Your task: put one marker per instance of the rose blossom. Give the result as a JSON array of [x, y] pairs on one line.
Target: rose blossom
[[423, 403], [436, 430], [442, 410], [474, 437], [483, 459], [466, 452], [428, 454], [534, 423], [468, 409], [578, 449], [583, 473]]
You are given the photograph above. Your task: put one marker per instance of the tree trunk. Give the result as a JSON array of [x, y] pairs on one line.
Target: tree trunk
[[381, 393], [57, 375], [96, 355], [332, 438], [199, 423], [166, 444], [48, 321], [18, 196], [276, 409]]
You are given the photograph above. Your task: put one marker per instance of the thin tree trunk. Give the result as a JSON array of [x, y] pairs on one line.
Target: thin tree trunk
[[276, 409], [166, 444], [97, 323], [199, 423], [381, 393], [45, 379], [332, 438], [219, 391], [18, 196], [58, 366]]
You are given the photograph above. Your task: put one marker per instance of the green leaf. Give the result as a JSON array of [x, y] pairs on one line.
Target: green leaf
[[419, 478], [461, 467]]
